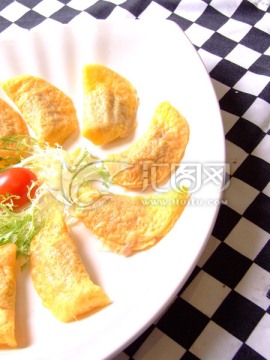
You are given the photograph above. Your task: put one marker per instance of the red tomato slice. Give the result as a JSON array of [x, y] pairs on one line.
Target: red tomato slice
[[17, 181]]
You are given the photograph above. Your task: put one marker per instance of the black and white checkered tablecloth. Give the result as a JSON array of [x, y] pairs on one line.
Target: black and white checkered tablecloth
[[223, 311]]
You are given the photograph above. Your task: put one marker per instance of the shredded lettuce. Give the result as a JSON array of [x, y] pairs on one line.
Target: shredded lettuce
[[63, 174], [19, 227], [61, 178], [18, 147]]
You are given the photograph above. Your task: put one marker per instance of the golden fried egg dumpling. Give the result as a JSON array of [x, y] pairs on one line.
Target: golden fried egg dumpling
[[156, 154], [110, 105], [127, 224], [48, 111], [12, 125], [58, 274], [7, 294]]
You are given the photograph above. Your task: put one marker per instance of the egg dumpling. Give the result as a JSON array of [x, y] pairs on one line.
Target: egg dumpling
[[59, 275], [154, 157], [12, 126], [127, 224], [48, 111], [7, 294], [110, 104]]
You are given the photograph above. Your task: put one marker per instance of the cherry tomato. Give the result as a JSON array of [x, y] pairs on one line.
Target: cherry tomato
[[16, 181]]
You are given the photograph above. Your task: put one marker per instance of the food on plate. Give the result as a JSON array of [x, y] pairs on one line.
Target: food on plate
[[52, 185], [59, 177], [17, 185], [58, 274], [12, 124], [48, 111], [19, 223], [126, 224], [7, 295], [110, 105], [153, 157]]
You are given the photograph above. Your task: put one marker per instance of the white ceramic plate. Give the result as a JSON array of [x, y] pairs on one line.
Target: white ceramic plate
[[162, 64]]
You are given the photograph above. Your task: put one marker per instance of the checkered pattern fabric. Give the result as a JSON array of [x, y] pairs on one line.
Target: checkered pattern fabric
[[223, 311]]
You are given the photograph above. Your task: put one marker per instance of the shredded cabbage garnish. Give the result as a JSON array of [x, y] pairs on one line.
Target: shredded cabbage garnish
[[64, 174], [63, 179], [18, 147], [20, 227]]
